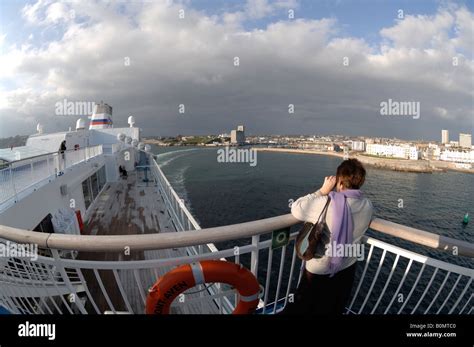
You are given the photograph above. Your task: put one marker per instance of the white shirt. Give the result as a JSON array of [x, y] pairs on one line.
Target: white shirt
[[309, 207]]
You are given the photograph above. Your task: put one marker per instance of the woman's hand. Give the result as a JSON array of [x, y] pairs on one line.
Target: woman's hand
[[328, 185]]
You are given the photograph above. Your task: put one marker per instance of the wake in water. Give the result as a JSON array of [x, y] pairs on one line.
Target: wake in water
[[177, 181], [176, 177], [163, 158]]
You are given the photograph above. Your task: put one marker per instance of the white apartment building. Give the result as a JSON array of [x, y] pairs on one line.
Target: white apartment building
[[444, 136], [393, 151], [414, 153], [458, 156], [465, 140], [358, 146]]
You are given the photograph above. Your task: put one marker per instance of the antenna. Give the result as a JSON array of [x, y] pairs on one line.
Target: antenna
[[131, 121]]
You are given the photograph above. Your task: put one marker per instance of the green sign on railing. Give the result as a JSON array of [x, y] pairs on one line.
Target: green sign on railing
[[280, 238]]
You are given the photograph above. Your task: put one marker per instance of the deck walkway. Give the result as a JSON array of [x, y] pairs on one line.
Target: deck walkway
[[129, 207]]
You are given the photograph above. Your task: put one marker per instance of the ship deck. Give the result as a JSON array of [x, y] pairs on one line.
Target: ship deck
[[130, 207]]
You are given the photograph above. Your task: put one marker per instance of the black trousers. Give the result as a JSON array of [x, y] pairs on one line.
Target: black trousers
[[321, 294]]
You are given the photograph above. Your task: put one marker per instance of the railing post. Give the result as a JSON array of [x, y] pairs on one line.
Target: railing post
[[65, 277], [13, 184], [254, 255], [58, 163], [31, 171]]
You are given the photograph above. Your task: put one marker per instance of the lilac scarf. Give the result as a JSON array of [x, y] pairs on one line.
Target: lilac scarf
[[342, 223]]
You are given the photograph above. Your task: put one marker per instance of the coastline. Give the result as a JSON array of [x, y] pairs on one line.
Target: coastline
[[403, 165]]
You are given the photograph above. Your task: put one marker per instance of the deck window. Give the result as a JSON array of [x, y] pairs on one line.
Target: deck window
[[102, 177], [93, 185], [87, 193]]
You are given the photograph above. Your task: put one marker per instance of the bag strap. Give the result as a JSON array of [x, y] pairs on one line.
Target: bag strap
[[324, 211]]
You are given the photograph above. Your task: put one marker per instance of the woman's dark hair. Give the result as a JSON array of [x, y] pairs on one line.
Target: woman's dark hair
[[351, 174]]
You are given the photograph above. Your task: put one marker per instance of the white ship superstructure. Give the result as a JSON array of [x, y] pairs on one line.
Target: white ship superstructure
[[105, 237]]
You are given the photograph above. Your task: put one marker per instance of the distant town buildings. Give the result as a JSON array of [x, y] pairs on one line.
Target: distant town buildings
[[432, 152], [457, 156], [444, 136], [237, 137], [403, 151], [458, 153], [465, 140]]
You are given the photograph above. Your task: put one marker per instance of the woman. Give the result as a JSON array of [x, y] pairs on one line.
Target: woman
[[326, 282]]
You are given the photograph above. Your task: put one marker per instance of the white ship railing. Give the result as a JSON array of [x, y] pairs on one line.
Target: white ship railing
[[112, 148], [21, 177], [390, 279]]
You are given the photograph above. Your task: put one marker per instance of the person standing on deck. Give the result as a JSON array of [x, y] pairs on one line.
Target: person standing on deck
[[326, 282], [62, 156]]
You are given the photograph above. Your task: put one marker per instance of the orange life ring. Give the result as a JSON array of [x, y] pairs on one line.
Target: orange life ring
[[167, 288]]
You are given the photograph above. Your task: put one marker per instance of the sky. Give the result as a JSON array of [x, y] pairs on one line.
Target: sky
[[246, 62]]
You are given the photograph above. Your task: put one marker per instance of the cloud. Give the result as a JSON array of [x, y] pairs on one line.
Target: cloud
[[256, 9], [464, 28], [57, 12], [191, 61], [31, 11], [430, 31], [442, 112]]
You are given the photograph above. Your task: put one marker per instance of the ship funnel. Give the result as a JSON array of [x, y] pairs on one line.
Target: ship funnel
[[131, 121], [80, 124], [39, 128], [101, 117]]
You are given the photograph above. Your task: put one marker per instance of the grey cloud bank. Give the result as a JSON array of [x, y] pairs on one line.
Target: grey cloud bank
[[190, 61]]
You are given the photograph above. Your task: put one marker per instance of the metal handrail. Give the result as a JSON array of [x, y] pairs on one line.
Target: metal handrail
[[176, 196], [45, 155], [141, 242]]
